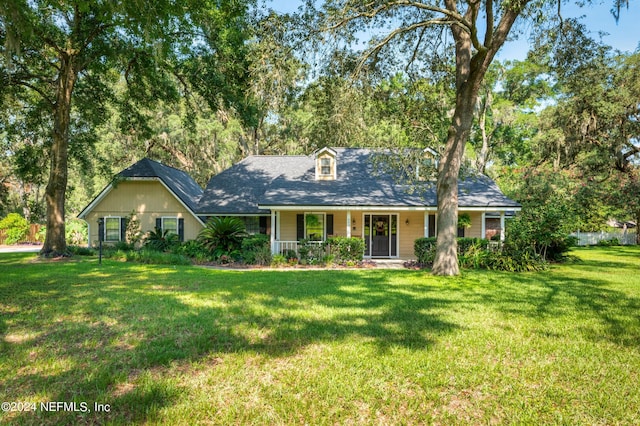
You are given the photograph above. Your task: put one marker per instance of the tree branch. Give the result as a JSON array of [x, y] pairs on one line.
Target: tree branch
[[488, 37], [37, 90], [634, 149], [415, 49], [375, 49], [453, 16]]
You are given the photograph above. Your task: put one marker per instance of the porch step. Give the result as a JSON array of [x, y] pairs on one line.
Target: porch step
[[389, 263]]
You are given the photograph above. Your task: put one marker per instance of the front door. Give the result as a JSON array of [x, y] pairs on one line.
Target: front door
[[380, 235]]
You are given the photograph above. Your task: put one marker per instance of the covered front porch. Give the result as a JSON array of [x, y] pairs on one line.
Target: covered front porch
[[387, 233]]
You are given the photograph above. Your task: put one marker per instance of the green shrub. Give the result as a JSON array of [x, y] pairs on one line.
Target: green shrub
[[542, 231], [194, 250], [76, 232], [425, 250], [81, 251], [291, 254], [474, 256], [123, 246], [513, 262], [465, 244], [153, 257], [278, 260], [609, 243], [16, 228], [161, 240], [345, 249], [133, 232], [42, 233], [474, 253], [310, 252], [256, 250], [223, 236]]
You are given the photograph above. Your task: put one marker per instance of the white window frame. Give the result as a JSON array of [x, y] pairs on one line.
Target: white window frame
[[177, 219], [324, 225], [106, 234], [325, 162]]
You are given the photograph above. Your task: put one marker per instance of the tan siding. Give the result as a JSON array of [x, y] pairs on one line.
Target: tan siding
[[475, 231], [148, 200], [288, 223], [409, 233], [356, 215], [339, 224], [288, 229]]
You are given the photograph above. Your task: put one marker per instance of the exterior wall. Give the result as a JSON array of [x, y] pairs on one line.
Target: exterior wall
[[148, 200], [408, 234], [475, 230], [410, 226], [288, 230]]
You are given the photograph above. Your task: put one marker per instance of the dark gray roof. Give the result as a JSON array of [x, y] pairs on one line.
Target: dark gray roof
[[290, 181], [238, 190], [179, 182]]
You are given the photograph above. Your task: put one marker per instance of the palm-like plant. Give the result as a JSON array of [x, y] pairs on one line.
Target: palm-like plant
[[222, 235], [161, 241]]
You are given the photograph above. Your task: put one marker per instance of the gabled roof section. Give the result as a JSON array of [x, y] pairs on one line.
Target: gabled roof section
[[178, 181]]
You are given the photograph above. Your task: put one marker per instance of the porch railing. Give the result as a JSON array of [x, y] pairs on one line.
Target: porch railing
[[284, 247]]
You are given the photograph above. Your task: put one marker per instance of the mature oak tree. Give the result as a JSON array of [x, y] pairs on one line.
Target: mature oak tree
[[477, 30], [70, 53]]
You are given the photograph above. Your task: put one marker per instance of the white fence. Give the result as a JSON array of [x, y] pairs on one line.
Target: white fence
[[592, 238]]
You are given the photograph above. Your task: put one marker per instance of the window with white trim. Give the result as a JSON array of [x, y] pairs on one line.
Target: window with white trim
[[112, 228], [170, 224], [325, 166], [314, 226]]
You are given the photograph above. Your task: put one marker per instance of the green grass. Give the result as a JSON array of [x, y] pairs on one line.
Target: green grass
[[187, 345]]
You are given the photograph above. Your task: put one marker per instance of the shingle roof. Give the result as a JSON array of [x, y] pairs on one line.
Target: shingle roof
[[290, 181], [179, 182]]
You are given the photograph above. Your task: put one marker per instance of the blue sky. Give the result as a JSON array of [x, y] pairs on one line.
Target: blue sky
[[624, 36]]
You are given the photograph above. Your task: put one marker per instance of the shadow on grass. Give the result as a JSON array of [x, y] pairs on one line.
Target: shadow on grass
[[596, 309], [99, 328], [113, 334]]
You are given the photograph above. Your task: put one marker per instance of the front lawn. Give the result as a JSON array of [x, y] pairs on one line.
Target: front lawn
[[188, 345]]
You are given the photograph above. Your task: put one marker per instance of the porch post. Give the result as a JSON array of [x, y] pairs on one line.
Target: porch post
[[273, 232], [483, 235], [88, 234], [348, 223], [426, 224], [502, 226]]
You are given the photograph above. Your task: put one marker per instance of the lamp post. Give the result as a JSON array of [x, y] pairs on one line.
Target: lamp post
[[100, 238]]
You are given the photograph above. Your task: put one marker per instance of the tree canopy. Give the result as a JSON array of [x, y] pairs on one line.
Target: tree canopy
[[61, 60]]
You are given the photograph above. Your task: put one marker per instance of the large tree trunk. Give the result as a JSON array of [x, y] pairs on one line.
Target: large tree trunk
[[55, 243], [638, 226], [471, 67], [446, 260], [483, 156]]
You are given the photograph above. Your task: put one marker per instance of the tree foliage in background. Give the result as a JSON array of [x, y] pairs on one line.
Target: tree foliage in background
[[69, 55]]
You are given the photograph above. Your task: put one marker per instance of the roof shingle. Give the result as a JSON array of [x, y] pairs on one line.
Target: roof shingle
[[260, 181], [180, 183]]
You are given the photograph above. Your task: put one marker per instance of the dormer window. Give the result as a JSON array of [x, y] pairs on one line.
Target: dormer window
[[427, 164], [326, 168]]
